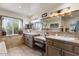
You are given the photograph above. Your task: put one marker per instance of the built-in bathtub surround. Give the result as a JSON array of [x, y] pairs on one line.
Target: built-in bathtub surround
[[12, 41]]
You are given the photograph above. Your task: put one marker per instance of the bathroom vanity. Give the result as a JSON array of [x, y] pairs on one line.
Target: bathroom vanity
[[29, 39], [62, 46]]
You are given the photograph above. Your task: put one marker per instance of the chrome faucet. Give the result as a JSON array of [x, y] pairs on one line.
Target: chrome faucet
[[46, 33]]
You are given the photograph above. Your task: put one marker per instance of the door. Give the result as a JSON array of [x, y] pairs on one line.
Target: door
[[53, 51]]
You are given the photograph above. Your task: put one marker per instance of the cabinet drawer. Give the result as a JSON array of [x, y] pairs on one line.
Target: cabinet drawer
[[63, 45], [50, 42], [76, 49], [67, 53], [29, 36]]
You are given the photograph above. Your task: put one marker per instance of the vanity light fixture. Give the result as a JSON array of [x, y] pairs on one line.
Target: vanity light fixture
[[65, 12], [62, 12], [54, 15]]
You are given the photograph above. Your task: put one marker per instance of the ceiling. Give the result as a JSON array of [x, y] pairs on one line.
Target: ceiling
[[29, 9]]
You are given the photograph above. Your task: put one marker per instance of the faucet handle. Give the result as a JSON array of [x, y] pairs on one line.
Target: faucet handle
[[56, 34]]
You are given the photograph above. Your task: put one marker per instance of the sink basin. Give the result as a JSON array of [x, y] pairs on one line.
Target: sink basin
[[32, 33]]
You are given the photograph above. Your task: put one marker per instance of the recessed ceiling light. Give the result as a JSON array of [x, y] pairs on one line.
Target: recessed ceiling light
[[20, 7]]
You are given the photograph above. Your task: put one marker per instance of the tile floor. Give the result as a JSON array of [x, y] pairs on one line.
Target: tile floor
[[22, 50]]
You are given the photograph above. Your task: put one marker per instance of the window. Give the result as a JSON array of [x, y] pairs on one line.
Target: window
[[55, 25], [11, 26], [37, 26]]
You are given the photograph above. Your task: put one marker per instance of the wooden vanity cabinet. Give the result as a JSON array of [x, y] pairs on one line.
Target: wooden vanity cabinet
[[29, 40], [57, 47]]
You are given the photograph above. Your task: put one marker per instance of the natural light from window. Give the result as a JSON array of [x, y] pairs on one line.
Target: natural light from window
[[11, 25]]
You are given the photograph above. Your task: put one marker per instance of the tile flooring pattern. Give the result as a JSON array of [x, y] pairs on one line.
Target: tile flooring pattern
[[22, 50]]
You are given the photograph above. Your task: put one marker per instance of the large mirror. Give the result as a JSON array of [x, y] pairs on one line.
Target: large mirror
[[72, 22], [68, 23], [53, 24]]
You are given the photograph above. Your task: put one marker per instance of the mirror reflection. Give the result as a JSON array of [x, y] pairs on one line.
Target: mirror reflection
[[68, 23]]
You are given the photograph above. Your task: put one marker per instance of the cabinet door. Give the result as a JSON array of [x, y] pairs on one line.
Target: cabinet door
[[63, 45], [25, 39], [53, 51], [76, 49], [30, 41], [67, 53]]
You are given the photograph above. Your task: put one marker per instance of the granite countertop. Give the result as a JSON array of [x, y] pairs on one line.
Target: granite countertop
[[63, 38], [40, 37]]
